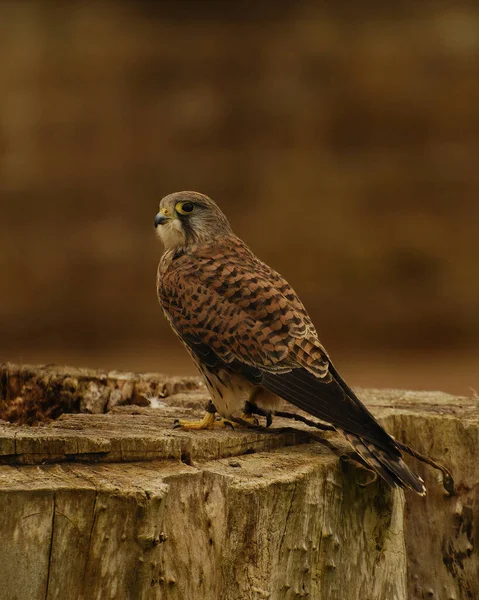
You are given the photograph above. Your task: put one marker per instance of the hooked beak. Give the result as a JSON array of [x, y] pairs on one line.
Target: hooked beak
[[161, 219]]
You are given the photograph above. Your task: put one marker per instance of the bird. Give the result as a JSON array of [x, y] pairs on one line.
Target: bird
[[251, 337]]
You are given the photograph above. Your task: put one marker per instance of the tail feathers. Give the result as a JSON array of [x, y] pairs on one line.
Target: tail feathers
[[391, 468]]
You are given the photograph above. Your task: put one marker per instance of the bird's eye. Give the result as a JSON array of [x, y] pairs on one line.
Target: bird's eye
[[185, 208]]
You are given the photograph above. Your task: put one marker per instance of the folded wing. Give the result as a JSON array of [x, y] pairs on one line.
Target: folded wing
[[235, 312]]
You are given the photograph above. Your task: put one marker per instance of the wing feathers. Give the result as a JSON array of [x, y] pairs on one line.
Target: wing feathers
[[234, 312], [328, 401]]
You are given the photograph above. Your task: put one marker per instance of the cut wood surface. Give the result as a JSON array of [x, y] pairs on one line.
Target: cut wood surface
[[115, 503]]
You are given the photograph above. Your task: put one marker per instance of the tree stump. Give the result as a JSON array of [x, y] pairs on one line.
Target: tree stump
[[113, 503]]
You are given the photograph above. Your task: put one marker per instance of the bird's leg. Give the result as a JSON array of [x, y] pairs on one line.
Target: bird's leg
[[263, 412], [247, 416], [207, 422], [251, 409], [211, 421]]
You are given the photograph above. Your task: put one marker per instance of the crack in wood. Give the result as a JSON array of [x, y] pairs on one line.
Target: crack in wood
[[50, 551]]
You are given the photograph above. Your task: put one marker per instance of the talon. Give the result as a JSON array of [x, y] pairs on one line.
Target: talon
[[210, 421], [250, 408], [207, 422], [248, 418], [269, 418]]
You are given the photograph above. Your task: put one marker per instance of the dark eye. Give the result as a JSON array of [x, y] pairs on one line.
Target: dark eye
[[184, 208]]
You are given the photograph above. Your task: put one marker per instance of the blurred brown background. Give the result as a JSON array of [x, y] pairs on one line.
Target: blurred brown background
[[342, 140]]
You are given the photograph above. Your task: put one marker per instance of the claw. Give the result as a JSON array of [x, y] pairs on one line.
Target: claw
[[253, 409], [207, 422], [210, 422], [249, 418]]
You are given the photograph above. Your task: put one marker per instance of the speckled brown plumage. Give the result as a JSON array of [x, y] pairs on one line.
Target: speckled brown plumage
[[240, 307], [247, 330]]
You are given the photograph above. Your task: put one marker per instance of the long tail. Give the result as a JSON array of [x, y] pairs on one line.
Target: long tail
[[332, 400], [390, 467]]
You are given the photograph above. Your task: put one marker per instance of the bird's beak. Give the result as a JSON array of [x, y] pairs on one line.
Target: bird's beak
[[161, 219]]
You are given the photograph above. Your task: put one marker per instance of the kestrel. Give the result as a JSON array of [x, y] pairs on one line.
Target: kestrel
[[250, 335]]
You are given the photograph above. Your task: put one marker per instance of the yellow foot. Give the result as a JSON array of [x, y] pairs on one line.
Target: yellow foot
[[207, 422], [249, 419]]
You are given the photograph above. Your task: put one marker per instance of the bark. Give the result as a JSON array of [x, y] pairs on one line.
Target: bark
[[120, 505]]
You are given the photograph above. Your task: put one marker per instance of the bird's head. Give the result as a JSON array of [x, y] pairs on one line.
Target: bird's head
[[187, 218]]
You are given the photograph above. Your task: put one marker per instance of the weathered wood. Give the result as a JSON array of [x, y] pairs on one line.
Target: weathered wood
[[441, 531], [285, 524], [32, 394], [120, 505]]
